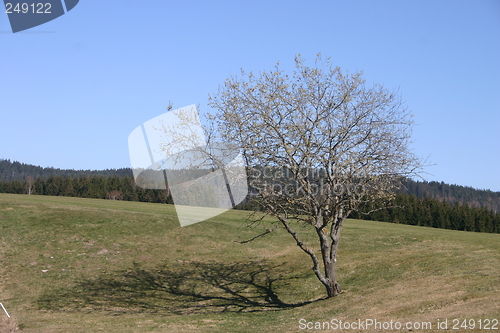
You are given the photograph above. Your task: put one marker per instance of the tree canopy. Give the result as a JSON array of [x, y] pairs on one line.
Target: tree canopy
[[328, 141]]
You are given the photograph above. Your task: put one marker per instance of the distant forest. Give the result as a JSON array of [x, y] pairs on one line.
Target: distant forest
[[116, 184], [20, 171], [433, 204]]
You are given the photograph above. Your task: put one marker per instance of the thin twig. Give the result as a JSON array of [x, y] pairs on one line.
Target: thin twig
[[262, 234]]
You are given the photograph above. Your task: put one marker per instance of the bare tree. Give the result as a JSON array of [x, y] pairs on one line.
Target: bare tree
[[114, 195], [318, 143], [29, 185]]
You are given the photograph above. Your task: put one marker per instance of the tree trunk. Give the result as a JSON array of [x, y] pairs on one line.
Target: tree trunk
[[330, 278], [329, 245], [331, 285]]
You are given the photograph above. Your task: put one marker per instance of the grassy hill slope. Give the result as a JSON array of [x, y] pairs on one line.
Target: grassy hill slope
[[88, 265]]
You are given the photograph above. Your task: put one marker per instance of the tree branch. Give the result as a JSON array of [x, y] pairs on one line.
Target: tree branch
[[262, 234]]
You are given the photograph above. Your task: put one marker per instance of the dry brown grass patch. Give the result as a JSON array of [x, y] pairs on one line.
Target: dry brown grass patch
[[7, 325]]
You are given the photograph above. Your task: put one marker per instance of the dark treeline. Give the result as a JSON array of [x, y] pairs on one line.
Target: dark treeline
[[21, 171], [406, 209], [429, 212], [453, 194], [436, 190], [431, 204], [98, 187]]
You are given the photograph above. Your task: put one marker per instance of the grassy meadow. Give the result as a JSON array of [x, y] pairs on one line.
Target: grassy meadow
[[72, 265]]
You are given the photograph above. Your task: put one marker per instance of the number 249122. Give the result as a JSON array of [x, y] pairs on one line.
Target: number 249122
[[35, 8]]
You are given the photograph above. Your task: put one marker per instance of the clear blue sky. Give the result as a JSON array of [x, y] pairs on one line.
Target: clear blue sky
[[73, 89]]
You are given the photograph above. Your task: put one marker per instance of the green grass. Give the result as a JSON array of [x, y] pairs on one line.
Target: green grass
[[84, 265]]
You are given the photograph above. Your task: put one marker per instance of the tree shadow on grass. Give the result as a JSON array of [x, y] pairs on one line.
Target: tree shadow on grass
[[178, 288]]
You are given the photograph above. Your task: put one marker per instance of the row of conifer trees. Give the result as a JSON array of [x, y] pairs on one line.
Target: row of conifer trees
[[406, 209], [98, 187], [429, 212]]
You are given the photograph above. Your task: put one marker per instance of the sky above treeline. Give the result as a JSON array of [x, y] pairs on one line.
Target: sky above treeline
[[73, 89]]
